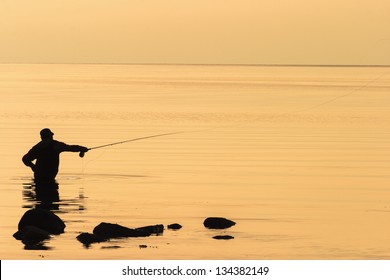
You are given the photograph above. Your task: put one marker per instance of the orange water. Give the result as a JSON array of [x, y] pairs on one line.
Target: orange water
[[297, 156]]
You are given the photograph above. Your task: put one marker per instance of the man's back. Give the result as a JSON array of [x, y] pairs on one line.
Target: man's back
[[47, 156]]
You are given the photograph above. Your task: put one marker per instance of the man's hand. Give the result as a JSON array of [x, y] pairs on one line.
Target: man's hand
[[32, 166], [83, 150]]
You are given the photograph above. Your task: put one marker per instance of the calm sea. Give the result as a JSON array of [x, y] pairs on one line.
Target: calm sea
[[298, 157]]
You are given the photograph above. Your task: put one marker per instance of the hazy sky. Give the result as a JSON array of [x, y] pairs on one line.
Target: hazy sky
[[195, 31]]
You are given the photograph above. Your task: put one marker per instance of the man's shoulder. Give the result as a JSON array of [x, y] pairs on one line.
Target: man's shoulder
[[56, 142], [60, 145]]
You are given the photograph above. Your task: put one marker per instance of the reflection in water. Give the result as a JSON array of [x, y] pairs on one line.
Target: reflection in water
[[41, 195], [46, 195], [41, 246]]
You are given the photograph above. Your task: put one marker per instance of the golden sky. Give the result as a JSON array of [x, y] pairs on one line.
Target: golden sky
[[195, 31]]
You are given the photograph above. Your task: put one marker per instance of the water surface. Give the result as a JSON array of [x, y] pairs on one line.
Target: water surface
[[297, 156]]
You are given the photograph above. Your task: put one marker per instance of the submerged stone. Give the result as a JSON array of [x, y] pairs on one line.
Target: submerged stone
[[223, 237], [111, 247], [89, 238], [108, 230], [42, 219], [174, 226], [218, 223], [155, 229]]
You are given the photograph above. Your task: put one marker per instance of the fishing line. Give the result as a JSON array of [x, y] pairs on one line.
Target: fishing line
[[81, 154], [313, 107], [309, 108], [84, 166], [379, 77], [130, 140], [375, 79]]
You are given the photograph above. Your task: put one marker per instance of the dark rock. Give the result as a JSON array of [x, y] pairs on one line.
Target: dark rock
[[107, 230], [156, 229], [223, 237], [31, 235], [174, 226], [89, 238], [218, 223], [43, 219]]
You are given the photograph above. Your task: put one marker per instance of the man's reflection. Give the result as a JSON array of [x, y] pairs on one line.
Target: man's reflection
[[45, 194], [42, 194]]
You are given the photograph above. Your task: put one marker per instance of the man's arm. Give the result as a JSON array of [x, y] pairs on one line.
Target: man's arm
[[72, 148], [77, 148]]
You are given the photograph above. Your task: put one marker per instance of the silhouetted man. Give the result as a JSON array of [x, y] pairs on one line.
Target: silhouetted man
[[47, 156]]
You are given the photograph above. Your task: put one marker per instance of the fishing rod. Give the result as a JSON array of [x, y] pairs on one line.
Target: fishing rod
[[81, 154]]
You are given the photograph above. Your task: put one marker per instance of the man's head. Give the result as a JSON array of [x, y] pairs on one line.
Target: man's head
[[46, 134]]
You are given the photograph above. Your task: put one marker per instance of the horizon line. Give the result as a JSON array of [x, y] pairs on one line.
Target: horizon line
[[200, 64]]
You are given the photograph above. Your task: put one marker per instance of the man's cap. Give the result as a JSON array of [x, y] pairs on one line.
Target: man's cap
[[46, 133]]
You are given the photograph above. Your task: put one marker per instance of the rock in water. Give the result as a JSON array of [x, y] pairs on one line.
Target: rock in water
[[156, 229], [174, 226], [107, 230], [223, 237], [89, 238], [218, 223], [31, 235], [43, 219]]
